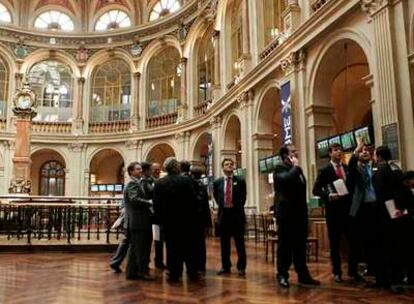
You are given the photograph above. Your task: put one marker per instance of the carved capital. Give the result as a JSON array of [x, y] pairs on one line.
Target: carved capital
[[370, 7], [20, 186], [245, 99], [179, 136], [81, 80], [215, 121], [76, 147], [293, 61], [131, 144]]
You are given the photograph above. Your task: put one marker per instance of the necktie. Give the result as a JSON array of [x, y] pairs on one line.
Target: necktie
[[339, 172], [228, 203]]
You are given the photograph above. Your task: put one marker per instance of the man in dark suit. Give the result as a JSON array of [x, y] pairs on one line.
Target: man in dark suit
[[230, 195], [176, 211], [336, 206], [139, 225], [158, 244], [291, 217], [362, 211]]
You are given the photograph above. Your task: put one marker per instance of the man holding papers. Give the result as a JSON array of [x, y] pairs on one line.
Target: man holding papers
[[331, 188]]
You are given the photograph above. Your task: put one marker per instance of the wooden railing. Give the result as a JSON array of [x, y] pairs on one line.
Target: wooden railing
[[51, 127], [64, 220], [201, 108], [161, 120], [117, 126]]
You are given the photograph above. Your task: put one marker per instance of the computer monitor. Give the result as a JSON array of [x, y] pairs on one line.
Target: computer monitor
[[110, 188], [276, 159], [364, 133], [269, 164], [334, 140], [118, 188], [262, 166], [348, 141], [94, 188], [322, 147], [102, 188]]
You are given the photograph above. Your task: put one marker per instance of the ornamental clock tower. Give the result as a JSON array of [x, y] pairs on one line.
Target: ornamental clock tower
[[24, 109]]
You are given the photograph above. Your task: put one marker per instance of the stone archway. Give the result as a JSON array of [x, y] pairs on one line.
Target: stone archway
[[232, 141], [106, 167], [200, 151], [45, 162], [159, 153]]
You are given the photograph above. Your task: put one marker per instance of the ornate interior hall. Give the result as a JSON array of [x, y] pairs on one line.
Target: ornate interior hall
[[89, 86]]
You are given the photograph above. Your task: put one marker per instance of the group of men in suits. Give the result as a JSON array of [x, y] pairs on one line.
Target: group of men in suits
[[374, 214], [178, 205]]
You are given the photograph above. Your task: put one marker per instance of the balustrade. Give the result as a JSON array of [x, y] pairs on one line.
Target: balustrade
[[51, 127], [317, 4], [201, 109], [118, 126], [161, 120]]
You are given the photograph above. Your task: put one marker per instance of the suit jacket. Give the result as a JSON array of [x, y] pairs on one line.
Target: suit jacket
[[290, 193], [324, 184], [238, 196], [203, 207], [138, 212], [175, 204], [356, 184]]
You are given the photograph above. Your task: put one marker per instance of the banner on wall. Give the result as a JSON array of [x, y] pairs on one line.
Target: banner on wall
[[209, 167], [285, 99]]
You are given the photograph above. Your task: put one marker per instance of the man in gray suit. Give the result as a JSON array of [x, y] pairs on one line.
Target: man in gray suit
[[139, 225], [123, 246]]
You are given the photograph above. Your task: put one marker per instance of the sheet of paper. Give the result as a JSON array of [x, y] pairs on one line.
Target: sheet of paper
[[340, 187], [392, 211], [156, 232]]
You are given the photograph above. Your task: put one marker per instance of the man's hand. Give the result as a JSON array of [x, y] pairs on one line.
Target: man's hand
[[294, 161], [334, 196], [360, 145]]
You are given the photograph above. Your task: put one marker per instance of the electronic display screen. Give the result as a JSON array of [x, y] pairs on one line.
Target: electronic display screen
[[322, 147], [94, 188], [334, 140], [276, 159], [118, 187], [364, 134], [269, 163], [110, 188], [262, 166], [348, 141], [102, 187]]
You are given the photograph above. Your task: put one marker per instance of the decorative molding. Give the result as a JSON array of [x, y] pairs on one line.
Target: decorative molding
[[245, 99], [215, 121], [76, 147], [132, 144], [370, 7], [290, 63]]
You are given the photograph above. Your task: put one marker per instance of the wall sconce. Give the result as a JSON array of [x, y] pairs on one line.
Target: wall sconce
[[93, 179], [274, 32]]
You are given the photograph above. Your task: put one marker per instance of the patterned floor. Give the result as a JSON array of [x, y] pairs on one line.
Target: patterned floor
[[78, 278]]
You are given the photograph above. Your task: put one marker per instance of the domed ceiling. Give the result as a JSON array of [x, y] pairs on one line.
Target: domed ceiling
[[84, 15]]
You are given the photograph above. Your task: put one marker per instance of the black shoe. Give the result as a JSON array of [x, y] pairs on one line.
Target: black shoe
[[223, 271], [358, 279], [242, 273], [309, 281], [145, 277], [115, 268], [283, 282], [338, 278]]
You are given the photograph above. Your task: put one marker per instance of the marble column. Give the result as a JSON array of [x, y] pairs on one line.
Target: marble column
[[77, 107], [135, 102], [216, 85], [183, 87]]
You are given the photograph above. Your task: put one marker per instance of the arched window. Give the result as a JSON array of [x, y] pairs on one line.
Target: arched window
[[4, 88], [164, 82], [111, 92], [163, 8], [4, 14], [55, 21], [236, 34], [52, 82], [273, 23], [112, 20], [206, 67], [52, 179]]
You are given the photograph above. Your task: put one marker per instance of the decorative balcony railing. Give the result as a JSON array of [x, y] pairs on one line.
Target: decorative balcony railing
[[317, 4], [201, 109], [58, 220], [118, 126], [269, 48], [51, 127], [161, 120]]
